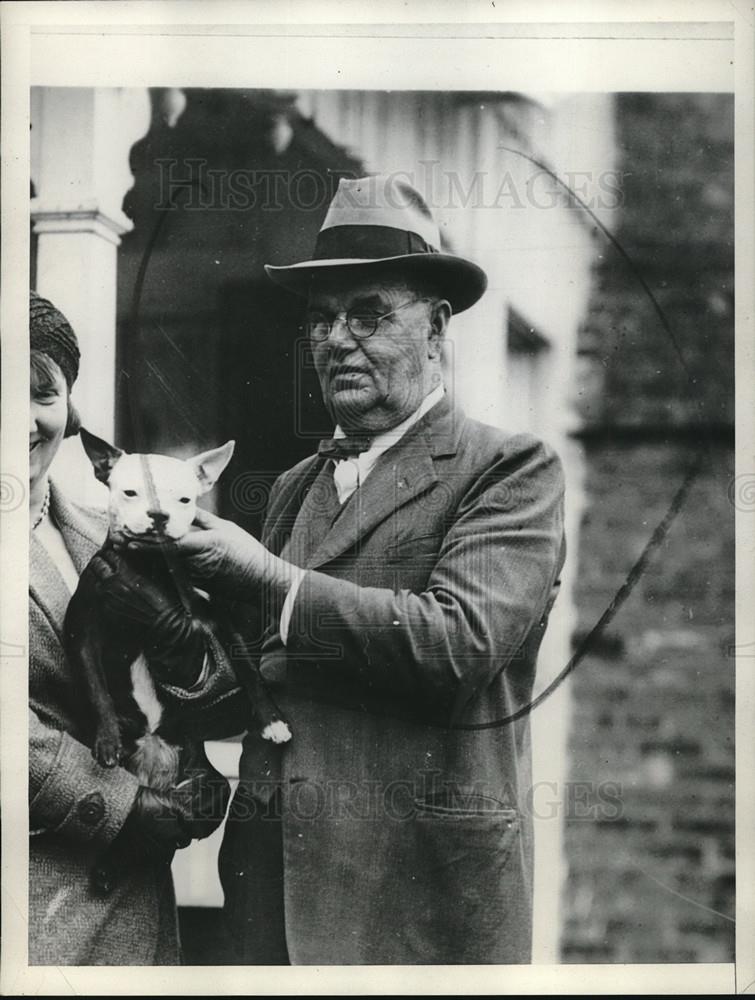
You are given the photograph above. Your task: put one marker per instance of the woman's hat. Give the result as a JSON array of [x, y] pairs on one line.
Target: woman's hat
[[51, 333], [378, 223]]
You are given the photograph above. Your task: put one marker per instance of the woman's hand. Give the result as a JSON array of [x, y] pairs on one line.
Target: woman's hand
[[127, 595], [173, 635]]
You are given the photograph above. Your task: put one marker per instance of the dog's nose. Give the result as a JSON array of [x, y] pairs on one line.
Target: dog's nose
[[159, 517]]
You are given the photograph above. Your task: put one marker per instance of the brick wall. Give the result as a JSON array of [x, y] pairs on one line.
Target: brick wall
[[652, 732]]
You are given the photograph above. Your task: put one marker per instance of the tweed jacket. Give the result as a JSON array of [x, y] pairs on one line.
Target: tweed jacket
[[407, 833], [77, 807]]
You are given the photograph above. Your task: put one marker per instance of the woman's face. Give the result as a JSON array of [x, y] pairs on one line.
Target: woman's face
[[47, 422]]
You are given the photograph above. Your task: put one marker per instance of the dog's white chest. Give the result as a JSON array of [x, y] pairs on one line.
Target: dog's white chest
[[145, 694]]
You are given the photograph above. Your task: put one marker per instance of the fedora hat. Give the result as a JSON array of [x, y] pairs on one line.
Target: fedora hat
[[382, 223]]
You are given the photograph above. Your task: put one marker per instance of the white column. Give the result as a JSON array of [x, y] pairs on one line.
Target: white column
[[81, 138]]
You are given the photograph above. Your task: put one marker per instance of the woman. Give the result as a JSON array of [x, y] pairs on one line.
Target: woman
[[77, 807]]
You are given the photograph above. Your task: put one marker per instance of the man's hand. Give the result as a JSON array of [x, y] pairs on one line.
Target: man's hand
[[224, 557]]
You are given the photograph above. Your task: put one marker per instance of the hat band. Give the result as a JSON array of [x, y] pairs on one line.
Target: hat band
[[368, 243]]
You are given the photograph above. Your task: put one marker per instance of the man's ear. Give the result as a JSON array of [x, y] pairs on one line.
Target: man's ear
[[102, 455], [440, 317], [210, 464]]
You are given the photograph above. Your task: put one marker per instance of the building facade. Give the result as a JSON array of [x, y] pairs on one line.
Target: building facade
[[652, 878]]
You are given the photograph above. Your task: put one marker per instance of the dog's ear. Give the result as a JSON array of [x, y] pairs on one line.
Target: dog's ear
[[102, 455], [210, 464]]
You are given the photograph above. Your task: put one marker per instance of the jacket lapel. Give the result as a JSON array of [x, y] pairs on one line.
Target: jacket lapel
[[83, 531], [283, 515], [46, 586], [401, 474], [83, 535]]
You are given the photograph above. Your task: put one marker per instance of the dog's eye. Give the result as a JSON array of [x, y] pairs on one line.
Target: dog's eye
[[184, 500], [129, 493]]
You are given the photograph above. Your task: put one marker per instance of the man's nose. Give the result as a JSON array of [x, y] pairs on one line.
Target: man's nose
[[159, 517]]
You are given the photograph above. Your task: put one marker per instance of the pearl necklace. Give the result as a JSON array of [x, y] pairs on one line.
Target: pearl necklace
[[43, 511]]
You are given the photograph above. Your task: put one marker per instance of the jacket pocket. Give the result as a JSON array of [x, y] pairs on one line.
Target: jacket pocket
[[468, 817], [414, 547], [463, 884], [461, 823], [461, 803]]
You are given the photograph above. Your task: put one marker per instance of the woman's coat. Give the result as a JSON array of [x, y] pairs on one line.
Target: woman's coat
[[77, 807]]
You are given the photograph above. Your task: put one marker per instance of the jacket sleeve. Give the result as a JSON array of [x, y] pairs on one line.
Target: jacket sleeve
[[69, 793], [491, 584]]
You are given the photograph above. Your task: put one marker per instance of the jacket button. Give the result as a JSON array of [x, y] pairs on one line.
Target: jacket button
[[91, 809]]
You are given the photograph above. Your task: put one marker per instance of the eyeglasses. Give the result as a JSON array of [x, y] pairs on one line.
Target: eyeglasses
[[360, 325]]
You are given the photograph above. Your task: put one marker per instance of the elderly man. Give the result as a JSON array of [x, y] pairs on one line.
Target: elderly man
[[409, 568]]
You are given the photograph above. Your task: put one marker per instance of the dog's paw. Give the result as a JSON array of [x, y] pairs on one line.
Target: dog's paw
[[277, 732], [107, 750]]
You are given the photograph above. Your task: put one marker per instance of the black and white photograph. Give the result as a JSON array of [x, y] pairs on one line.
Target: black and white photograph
[[388, 499]]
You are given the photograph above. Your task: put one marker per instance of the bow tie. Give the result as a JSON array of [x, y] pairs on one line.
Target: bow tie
[[344, 447]]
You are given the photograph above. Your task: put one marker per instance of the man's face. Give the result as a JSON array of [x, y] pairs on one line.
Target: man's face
[[373, 384]]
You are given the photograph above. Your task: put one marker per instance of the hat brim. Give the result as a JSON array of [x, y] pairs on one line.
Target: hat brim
[[457, 279]]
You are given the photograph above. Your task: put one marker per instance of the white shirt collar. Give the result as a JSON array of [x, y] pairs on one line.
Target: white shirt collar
[[350, 473], [390, 437]]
